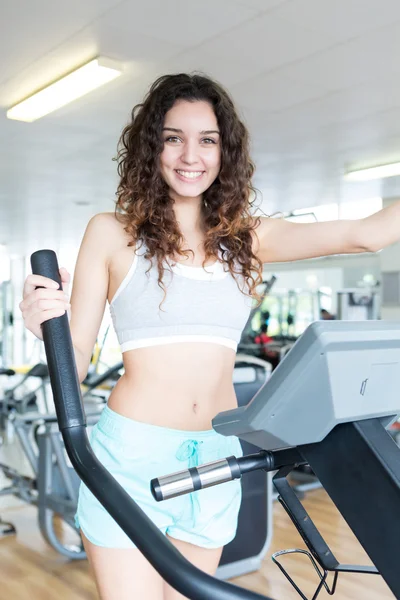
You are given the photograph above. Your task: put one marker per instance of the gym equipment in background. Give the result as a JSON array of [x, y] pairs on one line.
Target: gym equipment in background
[[248, 331], [52, 484], [6, 323], [16, 399], [358, 304]]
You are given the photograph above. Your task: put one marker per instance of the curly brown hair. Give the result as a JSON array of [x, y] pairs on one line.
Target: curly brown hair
[[143, 200]]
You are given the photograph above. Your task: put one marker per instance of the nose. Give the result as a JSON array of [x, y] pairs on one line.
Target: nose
[[189, 153]]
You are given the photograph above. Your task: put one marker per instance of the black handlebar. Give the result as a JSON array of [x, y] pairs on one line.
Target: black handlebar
[[165, 558]]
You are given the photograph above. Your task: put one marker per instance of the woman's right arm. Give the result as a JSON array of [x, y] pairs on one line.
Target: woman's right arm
[[89, 293]]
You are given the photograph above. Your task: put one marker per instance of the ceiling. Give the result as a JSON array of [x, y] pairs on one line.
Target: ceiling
[[316, 81]]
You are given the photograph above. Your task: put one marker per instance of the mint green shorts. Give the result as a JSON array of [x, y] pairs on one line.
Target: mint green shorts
[[136, 452]]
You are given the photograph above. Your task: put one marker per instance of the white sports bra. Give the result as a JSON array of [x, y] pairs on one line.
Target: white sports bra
[[201, 305]]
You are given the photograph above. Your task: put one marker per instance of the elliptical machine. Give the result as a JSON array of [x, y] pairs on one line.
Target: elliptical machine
[[327, 404], [52, 484]]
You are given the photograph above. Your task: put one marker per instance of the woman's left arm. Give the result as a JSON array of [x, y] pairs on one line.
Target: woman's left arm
[[278, 240]]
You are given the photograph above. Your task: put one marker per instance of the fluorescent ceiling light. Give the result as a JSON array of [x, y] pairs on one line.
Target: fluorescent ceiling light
[[374, 173], [83, 80]]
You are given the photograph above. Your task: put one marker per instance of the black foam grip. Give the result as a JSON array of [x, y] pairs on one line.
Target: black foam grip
[[44, 262], [60, 352]]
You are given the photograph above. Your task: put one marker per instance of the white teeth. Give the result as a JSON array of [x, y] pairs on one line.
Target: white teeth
[[190, 174]]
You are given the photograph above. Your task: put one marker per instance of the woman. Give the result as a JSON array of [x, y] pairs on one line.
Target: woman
[[179, 263]]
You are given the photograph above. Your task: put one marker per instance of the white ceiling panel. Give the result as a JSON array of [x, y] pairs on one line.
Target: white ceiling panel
[[178, 21], [258, 119], [275, 41], [360, 101], [274, 92], [355, 145], [262, 5], [341, 19], [352, 104], [352, 63], [227, 70], [28, 32]]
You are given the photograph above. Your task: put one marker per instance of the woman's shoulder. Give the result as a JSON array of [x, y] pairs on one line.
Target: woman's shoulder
[[108, 220], [105, 236], [109, 226]]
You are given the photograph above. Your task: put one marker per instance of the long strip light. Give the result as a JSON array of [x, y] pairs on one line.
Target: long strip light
[[83, 80], [380, 172]]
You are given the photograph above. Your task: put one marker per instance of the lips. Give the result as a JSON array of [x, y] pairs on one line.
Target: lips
[[189, 176]]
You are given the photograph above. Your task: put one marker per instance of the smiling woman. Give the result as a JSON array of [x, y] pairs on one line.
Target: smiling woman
[[179, 263], [183, 145]]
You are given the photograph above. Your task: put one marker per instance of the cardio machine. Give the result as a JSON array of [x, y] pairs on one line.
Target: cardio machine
[[327, 404], [48, 480]]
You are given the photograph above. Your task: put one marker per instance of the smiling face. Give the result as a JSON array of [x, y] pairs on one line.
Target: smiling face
[[191, 157]]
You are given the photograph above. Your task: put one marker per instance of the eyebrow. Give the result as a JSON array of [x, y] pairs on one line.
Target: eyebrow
[[206, 132]]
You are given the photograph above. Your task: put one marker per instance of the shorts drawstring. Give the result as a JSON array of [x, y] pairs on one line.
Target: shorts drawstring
[[188, 450]]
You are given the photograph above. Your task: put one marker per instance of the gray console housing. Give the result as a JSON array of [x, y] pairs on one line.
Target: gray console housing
[[336, 372]]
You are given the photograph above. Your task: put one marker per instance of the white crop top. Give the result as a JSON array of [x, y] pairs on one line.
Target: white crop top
[[201, 305]]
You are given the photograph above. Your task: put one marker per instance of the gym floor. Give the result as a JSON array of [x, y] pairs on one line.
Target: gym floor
[[30, 570]]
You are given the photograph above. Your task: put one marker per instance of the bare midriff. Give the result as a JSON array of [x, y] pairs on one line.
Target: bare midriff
[[179, 386]]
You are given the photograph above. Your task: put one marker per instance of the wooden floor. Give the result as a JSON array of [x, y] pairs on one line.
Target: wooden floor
[[30, 570]]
